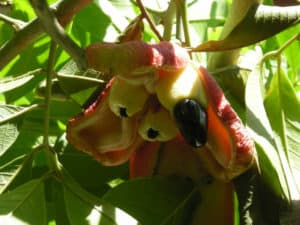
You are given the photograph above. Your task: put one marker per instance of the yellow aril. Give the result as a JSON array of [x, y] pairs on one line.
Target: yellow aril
[[158, 126], [171, 86], [126, 99]]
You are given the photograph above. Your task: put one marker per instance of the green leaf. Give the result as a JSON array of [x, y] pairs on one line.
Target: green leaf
[[86, 32], [292, 52], [23, 10], [79, 87], [8, 135], [24, 205], [10, 112], [81, 212], [8, 170], [11, 83], [71, 158], [260, 23], [213, 14], [122, 11], [85, 209], [16, 172], [31, 58], [260, 129], [150, 200], [57, 208], [22, 146], [283, 108], [232, 79], [75, 83]]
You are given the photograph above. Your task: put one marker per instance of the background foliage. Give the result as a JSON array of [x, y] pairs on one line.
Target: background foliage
[[87, 193]]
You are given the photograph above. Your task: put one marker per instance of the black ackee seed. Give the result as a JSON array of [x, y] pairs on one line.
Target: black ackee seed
[[151, 133], [191, 120], [123, 112]]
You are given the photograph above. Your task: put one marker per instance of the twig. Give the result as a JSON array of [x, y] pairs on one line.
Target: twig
[[168, 20], [64, 11], [55, 30], [146, 16], [51, 157], [48, 93], [279, 51], [15, 23], [178, 22], [185, 22]]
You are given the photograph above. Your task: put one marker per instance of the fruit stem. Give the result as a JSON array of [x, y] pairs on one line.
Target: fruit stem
[[50, 154]]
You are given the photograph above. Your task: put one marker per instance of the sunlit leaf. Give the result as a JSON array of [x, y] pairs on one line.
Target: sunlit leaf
[[283, 108], [292, 52], [260, 23], [85, 209], [31, 58], [10, 112], [23, 10], [8, 135], [260, 129], [84, 213], [150, 200], [85, 32], [8, 170], [15, 173], [122, 9], [12, 83], [17, 206], [22, 90]]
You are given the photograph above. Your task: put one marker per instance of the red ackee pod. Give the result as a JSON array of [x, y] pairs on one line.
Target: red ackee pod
[[113, 140], [228, 140], [100, 133]]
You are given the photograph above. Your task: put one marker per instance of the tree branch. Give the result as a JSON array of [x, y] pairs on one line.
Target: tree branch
[[64, 11], [58, 34], [146, 16], [16, 24]]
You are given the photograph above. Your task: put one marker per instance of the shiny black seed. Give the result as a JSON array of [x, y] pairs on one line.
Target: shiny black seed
[[123, 112], [191, 119], [151, 133]]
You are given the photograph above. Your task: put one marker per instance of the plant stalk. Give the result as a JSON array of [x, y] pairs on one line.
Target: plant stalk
[[51, 156], [185, 22]]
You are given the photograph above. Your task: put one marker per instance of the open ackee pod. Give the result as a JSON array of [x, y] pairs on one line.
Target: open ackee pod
[[115, 129], [111, 138]]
